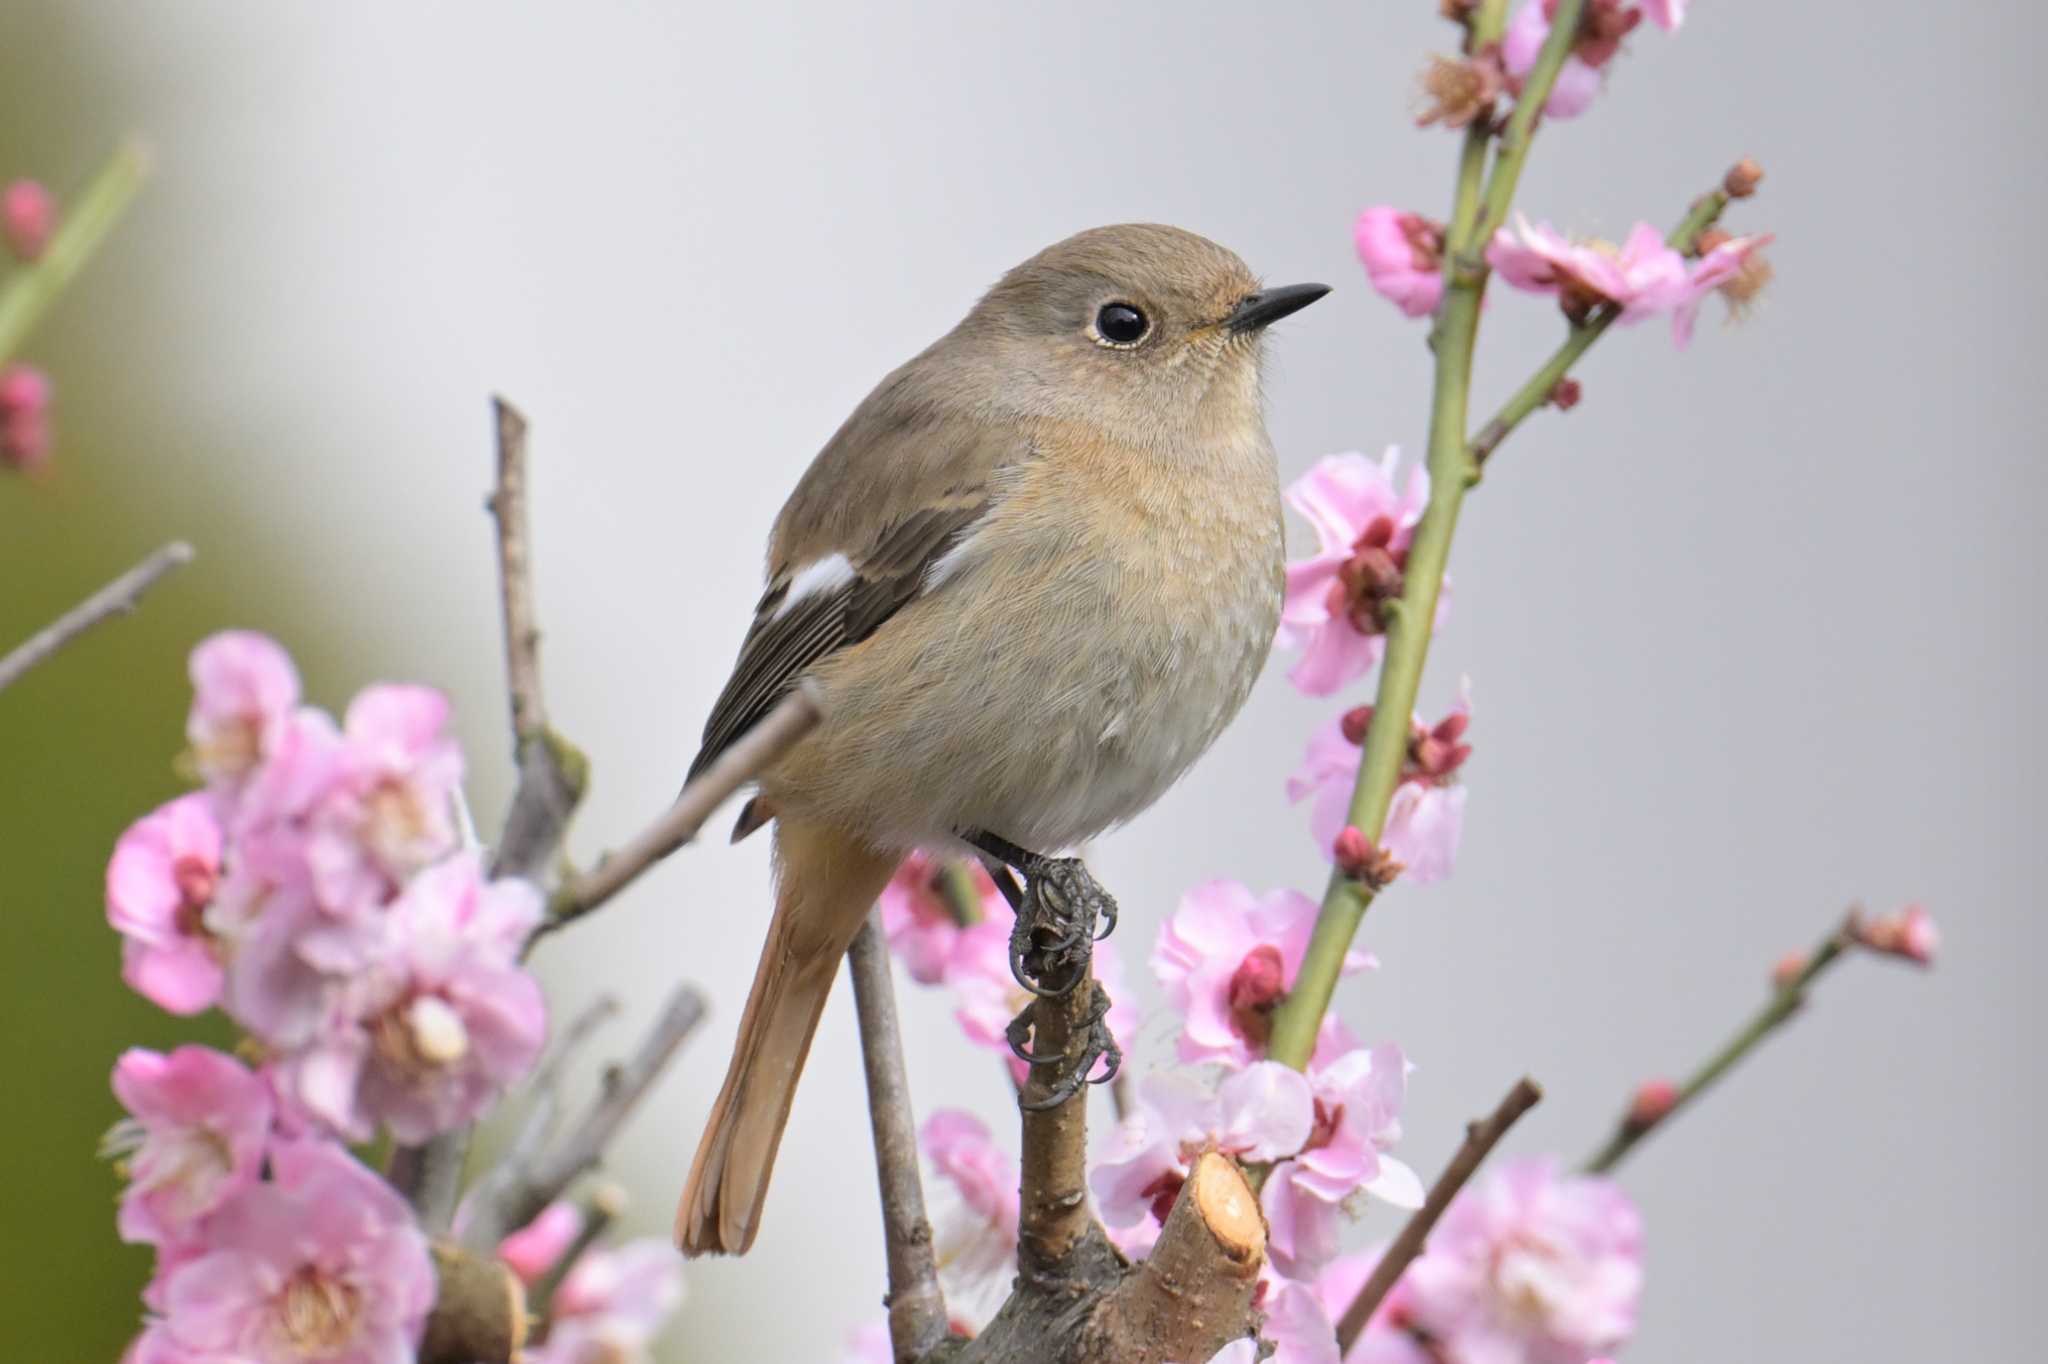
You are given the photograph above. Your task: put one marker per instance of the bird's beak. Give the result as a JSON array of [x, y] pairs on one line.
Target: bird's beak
[[1268, 306]]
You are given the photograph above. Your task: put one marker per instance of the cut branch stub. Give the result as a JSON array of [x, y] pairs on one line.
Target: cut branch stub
[[1193, 1295], [479, 1314]]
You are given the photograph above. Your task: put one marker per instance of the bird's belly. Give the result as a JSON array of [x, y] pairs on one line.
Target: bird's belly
[[1046, 711]]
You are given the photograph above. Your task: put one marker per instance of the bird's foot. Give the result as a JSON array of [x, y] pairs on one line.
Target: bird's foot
[[1097, 1045], [1056, 928]]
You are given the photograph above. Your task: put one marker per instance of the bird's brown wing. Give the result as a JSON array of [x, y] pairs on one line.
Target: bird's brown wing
[[891, 496]]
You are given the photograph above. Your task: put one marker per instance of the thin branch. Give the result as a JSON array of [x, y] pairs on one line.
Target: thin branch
[[623, 1089], [116, 598], [794, 717], [917, 1307], [1480, 1138], [31, 291], [492, 1198], [1053, 1212], [1784, 1002], [430, 1177]]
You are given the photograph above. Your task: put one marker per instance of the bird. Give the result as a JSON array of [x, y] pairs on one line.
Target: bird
[[1028, 582]]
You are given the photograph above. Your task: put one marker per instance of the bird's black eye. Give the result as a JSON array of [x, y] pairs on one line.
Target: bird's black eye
[[1120, 324]]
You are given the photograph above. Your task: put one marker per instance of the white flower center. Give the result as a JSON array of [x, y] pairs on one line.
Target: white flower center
[[316, 1314]]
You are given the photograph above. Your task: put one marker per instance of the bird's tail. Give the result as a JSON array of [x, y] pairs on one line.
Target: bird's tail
[[825, 884]]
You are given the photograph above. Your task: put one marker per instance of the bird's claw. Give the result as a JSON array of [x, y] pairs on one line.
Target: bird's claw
[[1051, 941], [1098, 1045]]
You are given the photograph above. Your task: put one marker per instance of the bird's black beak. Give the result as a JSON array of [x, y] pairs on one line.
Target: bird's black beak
[[1268, 306]]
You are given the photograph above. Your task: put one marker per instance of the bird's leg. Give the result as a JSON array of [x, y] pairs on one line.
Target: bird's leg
[[1098, 1045], [1057, 917]]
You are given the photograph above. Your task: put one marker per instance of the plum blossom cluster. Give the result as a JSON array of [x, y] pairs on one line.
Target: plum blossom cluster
[[316, 891], [28, 216]]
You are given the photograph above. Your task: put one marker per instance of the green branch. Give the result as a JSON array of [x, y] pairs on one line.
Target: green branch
[[1410, 617], [1783, 1003], [29, 294]]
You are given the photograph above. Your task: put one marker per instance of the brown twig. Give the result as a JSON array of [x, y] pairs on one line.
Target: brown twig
[[1480, 1138], [1053, 1212], [790, 721], [623, 1089], [917, 1307], [116, 598], [495, 1197]]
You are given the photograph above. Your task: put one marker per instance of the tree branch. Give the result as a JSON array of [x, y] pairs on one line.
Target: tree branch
[[1480, 1138], [917, 1307], [1784, 1002], [31, 291], [480, 1310], [116, 598], [1053, 1207], [1193, 1294], [794, 717]]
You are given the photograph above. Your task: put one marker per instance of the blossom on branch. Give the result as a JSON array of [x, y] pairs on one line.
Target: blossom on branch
[[532, 1251], [1426, 818], [193, 1139], [611, 1305], [244, 690], [24, 417], [974, 1216], [389, 810], [1403, 257], [322, 1262], [1602, 26], [28, 215], [160, 882], [1226, 958], [1357, 1105], [921, 924], [1733, 267], [1335, 597], [1530, 1265], [1643, 276]]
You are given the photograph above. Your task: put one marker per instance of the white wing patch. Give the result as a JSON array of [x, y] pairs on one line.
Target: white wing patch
[[828, 574]]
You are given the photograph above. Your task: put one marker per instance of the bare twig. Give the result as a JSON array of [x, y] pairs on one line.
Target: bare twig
[[623, 1089], [492, 1196], [430, 1175], [917, 1307], [759, 747], [116, 598], [1480, 1138]]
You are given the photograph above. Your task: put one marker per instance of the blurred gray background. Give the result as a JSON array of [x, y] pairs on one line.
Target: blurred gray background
[[1751, 632]]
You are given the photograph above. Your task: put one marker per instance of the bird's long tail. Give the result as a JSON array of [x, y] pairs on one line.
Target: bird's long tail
[[826, 882]]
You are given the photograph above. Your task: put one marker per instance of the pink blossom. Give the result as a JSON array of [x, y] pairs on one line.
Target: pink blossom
[[1334, 597], [1263, 1112], [1297, 1325], [918, 922], [159, 883], [869, 1344], [1578, 81], [1723, 262], [156, 1345], [1643, 276], [322, 1263], [1386, 1339], [266, 917], [244, 690], [1226, 958], [1403, 257], [1358, 1099], [611, 1306], [24, 417], [974, 1218], [425, 1037], [1665, 14], [28, 215], [533, 1249], [391, 810], [1426, 817], [1909, 934], [193, 1139], [1531, 1265], [1244, 1351]]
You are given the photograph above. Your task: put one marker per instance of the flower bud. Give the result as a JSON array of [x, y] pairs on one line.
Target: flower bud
[[1652, 1102], [1788, 970], [24, 417], [1565, 393], [28, 215], [1742, 179], [1356, 722]]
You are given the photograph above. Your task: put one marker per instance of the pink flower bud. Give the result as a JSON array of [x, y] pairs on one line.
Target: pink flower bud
[[1909, 935], [27, 217], [1357, 721], [1788, 970], [533, 1250], [24, 417], [1653, 1101], [1353, 851], [1565, 394], [1742, 179]]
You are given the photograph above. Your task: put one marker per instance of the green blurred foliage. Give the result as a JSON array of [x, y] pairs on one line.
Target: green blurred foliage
[[87, 741]]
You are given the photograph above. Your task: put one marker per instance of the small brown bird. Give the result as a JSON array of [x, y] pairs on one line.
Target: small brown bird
[[1032, 578]]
